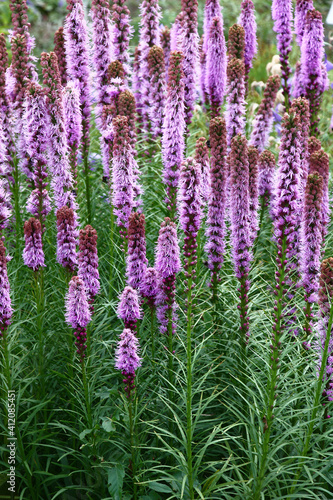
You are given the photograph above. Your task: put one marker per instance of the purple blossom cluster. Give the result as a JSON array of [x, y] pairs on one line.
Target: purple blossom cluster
[[78, 314], [33, 255], [247, 19]]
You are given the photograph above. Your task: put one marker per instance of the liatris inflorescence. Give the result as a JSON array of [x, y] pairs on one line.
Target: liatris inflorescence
[[253, 192], [102, 55], [36, 129], [6, 310], [149, 36], [33, 255], [173, 143], [266, 166], [19, 70], [122, 174], [127, 359], [5, 111], [149, 286], [212, 10], [127, 107], [59, 50], [236, 42], [311, 238], [189, 47], [218, 176], [121, 32], [301, 10], [88, 261], [136, 258], [78, 313], [19, 11], [176, 33], [136, 81], [129, 308], [157, 82], [313, 76], [300, 106], [324, 345], [282, 16], [240, 228], [73, 125], [66, 238], [77, 56], [247, 19], [202, 159], [165, 39], [216, 66], [319, 162], [263, 121], [5, 207], [235, 115], [314, 144]]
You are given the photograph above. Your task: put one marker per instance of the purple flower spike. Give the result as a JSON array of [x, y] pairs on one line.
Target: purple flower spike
[[6, 140], [173, 144], [102, 55], [128, 308], [314, 144], [149, 286], [6, 310], [319, 162], [311, 239], [263, 121], [300, 107], [66, 238], [247, 19], [157, 89], [59, 49], [240, 230], [33, 255], [165, 44], [190, 49], [126, 107], [282, 16], [301, 10], [215, 231], [167, 266], [235, 116], [216, 66], [202, 159], [253, 192], [136, 259], [127, 359], [266, 175], [78, 313], [212, 9], [73, 125], [5, 207], [312, 70], [122, 32], [88, 260]]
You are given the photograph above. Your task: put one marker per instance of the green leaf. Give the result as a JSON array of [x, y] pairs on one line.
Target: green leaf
[[108, 424], [115, 481], [162, 488], [84, 433]]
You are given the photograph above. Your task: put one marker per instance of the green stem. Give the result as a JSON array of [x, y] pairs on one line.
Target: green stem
[[111, 252], [86, 393], [16, 192], [152, 331], [316, 405], [189, 384], [133, 454], [39, 291]]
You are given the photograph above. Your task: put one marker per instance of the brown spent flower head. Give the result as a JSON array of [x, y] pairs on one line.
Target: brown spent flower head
[[314, 190], [116, 70], [3, 258], [32, 226], [20, 59], [201, 151], [235, 70], [270, 91], [88, 238], [165, 39], [3, 68], [51, 75], [19, 16], [236, 42], [314, 144], [190, 15], [121, 133], [176, 73], [156, 62], [253, 169], [319, 162], [127, 107], [136, 227], [59, 49], [326, 286], [65, 214]]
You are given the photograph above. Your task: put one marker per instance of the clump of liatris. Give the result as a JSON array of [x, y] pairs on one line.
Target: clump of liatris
[[6, 310], [127, 359], [78, 313], [136, 258], [173, 144], [202, 159], [189, 47], [190, 212], [235, 115], [311, 238], [282, 16], [263, 121], [33, 255], [236, 42], [102, 40], [128, 308], [216, 66], [88, 261], [66, 239], [301, 9], [319, 162], [266, 168], [165, 44], [149, 286], [122, 174], [215, 231], [167, 265], [247, 19], [253, 192], [73, 125], [121, 32], [240, 230], [59, 49], [313, 76], [300, 106], [156, 68], [325, 307]]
